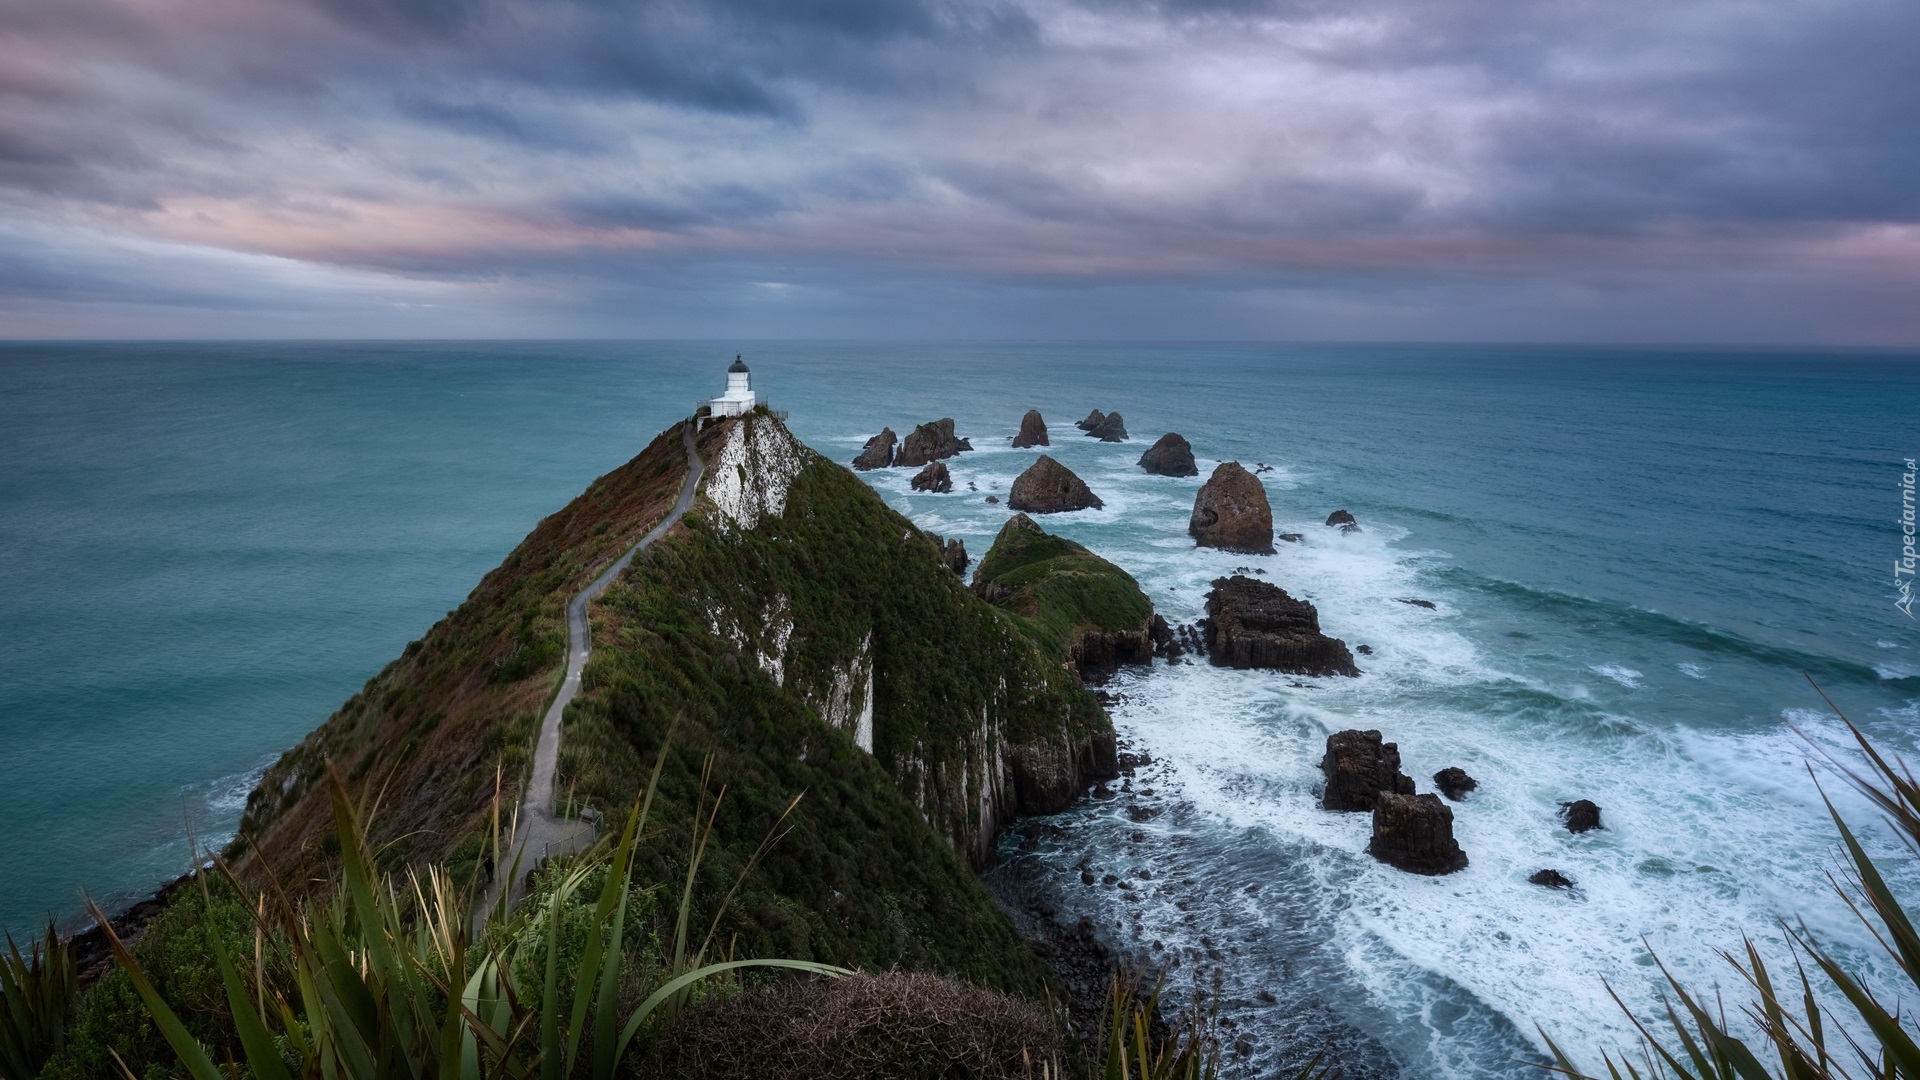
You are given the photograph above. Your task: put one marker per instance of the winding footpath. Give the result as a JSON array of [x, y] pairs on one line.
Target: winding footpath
[[541, 833]]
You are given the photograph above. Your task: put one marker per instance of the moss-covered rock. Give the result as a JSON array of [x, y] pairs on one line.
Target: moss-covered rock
[[1089, 612]]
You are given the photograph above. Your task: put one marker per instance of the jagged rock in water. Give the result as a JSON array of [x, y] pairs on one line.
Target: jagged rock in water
[[929, 442], [1171, 456], [993, 500], [1164, 644], [1415, 834], [1363, 650], [1092, 421], [1291, 538], [1111, 428], [1580, 816], [1428, 604], [1255, 624], [1231, 512], [1344, 520], [878, 453], [1033, 431], [934, 478], [1048, 487], [953, 554], [1360, 767], [1552, 879], [1454, 782], [1090, 611]]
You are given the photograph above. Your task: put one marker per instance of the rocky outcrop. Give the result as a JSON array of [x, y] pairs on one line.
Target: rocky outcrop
[[1048, 487], [1033, 431], [1171, 456], [1454, 782], [993, 500], [1092, 421], [1111, 428], [1360, 768], [1091, 612], [1231, 512], [929, 442], [1414, 601], [1552, 879], [1255, 624], [953, 554], [1580, 816], [934, 478], [1047, 778], [1344, 521], [878, 453], [1415, 834]]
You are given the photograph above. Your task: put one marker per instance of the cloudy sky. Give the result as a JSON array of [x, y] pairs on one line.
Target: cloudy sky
[[1577, 170]]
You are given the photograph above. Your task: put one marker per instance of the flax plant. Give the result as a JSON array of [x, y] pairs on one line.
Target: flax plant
[[1839, 1029], [38, 993], [385, 984]]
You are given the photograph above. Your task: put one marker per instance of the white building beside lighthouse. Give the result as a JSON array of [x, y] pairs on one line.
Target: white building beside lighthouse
[[739, 397]]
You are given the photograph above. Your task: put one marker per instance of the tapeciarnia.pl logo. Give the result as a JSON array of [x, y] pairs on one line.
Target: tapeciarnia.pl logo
[[1903, 566]]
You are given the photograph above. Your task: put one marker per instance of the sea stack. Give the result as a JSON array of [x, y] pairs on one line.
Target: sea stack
[[878, 453], [1255, 624], [1048, 487], [1415, 834], [1111, 428], [929, 442], [1092, 421], [1033, 431], [1171, 456], [1360, 768], [934, 478], [1343, 521], [1231, 512]]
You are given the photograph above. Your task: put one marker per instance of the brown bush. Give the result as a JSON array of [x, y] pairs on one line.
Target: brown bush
[[863, 1027]]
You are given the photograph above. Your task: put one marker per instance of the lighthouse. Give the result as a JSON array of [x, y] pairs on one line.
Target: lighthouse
[[739, 397]]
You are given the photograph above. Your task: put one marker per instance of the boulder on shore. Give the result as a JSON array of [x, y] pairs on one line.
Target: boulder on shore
[[1092, 421], [1033, 431], [1552, 879], [1360, 768], [1231, 512], [1344, 520], [1255, 624], [1454, 782], [1415, 834], [929, 442], [878, 453], [1111, 428], [1048, 487], [1171, 456], [934, 478], [1580, 816]]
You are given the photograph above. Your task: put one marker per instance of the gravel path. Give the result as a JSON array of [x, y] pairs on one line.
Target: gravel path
[[541, 832]]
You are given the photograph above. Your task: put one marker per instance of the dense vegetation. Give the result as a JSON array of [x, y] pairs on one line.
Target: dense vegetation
[[1058, 589], [761, 641]]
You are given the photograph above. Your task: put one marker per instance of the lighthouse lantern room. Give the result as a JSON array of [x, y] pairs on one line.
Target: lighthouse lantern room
[[739, 398]]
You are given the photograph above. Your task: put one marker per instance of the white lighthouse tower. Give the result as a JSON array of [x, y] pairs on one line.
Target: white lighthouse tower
[[739, 397]]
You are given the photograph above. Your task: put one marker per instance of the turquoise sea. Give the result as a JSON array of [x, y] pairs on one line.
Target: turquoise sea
[[1636, 557]]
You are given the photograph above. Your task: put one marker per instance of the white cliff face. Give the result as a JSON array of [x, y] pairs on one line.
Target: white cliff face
[[849, 701], [750, 477]]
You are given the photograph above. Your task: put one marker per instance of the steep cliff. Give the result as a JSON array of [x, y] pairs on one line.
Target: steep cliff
[[799, 637]]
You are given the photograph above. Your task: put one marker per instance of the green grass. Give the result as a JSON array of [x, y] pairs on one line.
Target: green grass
[[861, 879], [1057, 588]]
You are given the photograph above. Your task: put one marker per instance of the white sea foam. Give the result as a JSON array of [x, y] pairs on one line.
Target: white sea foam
[[1708, 835], [1625, 676]]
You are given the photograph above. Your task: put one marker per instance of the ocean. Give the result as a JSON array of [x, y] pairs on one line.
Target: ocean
[[1637, 559]]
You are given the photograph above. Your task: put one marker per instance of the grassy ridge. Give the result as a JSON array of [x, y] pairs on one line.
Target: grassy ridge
[[431, 728], [848, 585]]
